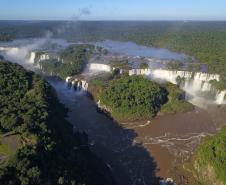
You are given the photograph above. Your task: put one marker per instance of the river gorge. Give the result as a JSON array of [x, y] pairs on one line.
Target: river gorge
[[139, 153]]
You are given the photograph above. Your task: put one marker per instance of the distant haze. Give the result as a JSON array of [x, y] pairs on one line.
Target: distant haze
[[112, 10]]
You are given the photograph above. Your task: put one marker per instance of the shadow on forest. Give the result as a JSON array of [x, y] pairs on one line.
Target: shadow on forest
[[131, 164]]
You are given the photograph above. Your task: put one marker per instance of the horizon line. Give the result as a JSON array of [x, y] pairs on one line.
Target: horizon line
[[120, 20]]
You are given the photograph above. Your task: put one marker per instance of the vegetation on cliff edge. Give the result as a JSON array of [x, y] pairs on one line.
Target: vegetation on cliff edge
[[37, 145], [210, 159]]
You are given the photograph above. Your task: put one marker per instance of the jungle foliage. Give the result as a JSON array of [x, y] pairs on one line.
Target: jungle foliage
[[72, 62], [211, 155], [133, 98], [46, 150]]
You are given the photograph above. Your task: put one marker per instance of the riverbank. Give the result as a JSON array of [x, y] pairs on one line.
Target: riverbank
[[173, 137], [138, 150]]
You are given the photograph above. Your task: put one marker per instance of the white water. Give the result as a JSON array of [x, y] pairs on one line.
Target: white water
[[9, 49], [139, 72], [77, 83], [172, 75], [14, 53], [44, 57], [23, 51], [194, 83], [220, 97], [199, 82], [68, 79], [32, 57], [99, 67]]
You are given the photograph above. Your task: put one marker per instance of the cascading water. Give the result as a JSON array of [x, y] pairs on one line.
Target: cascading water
[[139, 72], [206, 86], [10, 50], [172, 75], [77, 84], [193, 83], [32, 57], [21, 55], [100, 67], [220, 97]]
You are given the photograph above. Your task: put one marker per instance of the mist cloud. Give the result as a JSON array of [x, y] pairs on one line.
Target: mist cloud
[[84, 11]]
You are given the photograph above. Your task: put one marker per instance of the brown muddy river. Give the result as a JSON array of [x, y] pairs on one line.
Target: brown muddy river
[[137, 153]]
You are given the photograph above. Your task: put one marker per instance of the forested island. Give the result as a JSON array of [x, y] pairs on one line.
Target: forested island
[[203, 40], [37, 144], [72, 61], [134, 98]]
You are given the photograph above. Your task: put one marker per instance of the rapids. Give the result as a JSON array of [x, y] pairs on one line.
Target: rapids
[[138, 152]]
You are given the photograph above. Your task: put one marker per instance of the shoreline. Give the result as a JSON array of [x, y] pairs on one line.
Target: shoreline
[[162, 155], [167, 135]]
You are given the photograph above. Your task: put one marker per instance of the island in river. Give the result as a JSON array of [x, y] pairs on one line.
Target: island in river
[[140, 151]]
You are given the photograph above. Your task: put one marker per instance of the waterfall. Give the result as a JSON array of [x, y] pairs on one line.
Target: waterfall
[[32, 57], [68, 79], [220, 97], [10, 50], [45, 56], [100, 67], [84, 85], [81, 85], [206, 76], [192, 83], [77, 83], [14, 51], [139, 72], [18, 54], [206, 86], [172, 75]]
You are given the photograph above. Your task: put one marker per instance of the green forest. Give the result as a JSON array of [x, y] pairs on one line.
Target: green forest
[[73, 61], [131, 98], [37, 145], [203, 40], [210, 158], [32, 120], [176, 100]]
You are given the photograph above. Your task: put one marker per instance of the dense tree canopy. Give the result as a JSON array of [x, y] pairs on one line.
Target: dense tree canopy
[[211, 155], [131, 98], [73, 61], [44, 149], [176, 100], [203, 40], [136, 97]]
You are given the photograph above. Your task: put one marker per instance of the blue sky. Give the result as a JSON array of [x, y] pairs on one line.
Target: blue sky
[[113, 9]]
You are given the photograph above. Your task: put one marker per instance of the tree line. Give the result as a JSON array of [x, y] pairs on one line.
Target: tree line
[[49, 152]]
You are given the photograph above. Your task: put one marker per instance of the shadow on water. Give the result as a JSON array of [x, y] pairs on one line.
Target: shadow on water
[[130, 163]]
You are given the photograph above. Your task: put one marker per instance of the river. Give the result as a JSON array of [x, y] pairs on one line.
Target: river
[[133, 49], [130, 162], [137, 153]]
